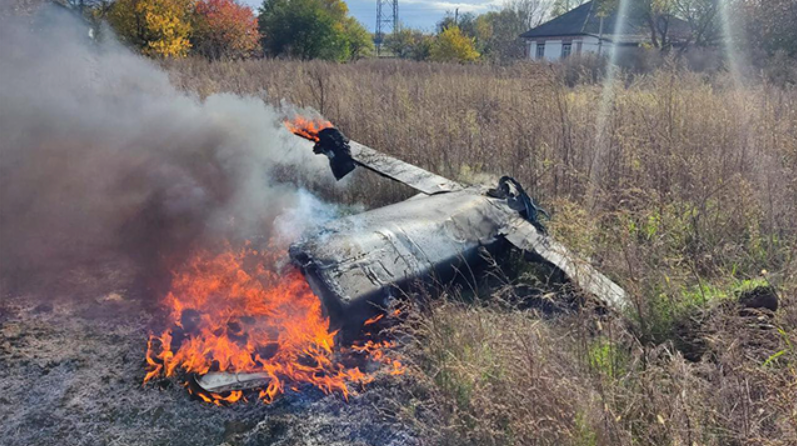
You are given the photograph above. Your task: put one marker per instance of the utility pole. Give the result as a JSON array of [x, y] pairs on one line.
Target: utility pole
[[387, 19]]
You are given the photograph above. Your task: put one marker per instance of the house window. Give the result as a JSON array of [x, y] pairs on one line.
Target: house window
[[567, 48], [540, 51]]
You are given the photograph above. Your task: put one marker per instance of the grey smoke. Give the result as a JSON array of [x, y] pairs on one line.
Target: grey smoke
[[100, 153]]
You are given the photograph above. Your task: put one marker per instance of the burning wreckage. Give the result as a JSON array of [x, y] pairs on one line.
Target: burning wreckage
[[239, 325], [356, 264]]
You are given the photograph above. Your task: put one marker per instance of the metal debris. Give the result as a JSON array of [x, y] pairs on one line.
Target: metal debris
[[345, 154], [413, 176], [357, 263], [225, 382]]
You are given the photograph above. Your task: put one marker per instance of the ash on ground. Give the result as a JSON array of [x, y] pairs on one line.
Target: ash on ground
[[72, 364]]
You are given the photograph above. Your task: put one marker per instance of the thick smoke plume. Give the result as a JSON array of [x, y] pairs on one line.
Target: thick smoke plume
[[99, 153]]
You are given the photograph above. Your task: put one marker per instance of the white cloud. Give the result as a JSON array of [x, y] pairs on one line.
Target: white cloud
[[474, 6]]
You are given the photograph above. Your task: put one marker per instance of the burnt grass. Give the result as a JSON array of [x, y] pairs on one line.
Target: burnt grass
[[72, 364]]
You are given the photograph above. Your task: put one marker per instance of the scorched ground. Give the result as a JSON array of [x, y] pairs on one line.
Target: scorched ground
[[72, 364]]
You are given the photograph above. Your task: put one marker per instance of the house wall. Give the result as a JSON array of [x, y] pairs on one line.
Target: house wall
[[593, 45], [553, 50], [553, 47]]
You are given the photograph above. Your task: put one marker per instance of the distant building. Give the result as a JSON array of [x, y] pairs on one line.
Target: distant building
[[584, 30]]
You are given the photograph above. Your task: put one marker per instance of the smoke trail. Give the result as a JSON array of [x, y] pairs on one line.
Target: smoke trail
[[100, 153]]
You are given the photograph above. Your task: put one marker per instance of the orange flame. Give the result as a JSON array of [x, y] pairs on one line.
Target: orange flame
[[230, 313], [374, 319], [307, 128]]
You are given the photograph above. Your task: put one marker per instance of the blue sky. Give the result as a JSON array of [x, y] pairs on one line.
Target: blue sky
[[422, 14]]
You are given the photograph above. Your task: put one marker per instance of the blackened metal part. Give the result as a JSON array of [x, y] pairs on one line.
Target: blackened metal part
[[760, 298], [527, 237], [395, 169], [334, 144], [344, 155], [510, 190]]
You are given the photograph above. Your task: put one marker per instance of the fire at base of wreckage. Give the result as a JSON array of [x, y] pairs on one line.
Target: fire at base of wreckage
[[245, 325]]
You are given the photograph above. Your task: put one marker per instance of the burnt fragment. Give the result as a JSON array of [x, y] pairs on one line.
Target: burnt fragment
[[760, 298], [334, 144], [518, 200]]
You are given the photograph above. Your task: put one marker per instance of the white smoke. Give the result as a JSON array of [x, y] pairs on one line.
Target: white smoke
[[99, 152]]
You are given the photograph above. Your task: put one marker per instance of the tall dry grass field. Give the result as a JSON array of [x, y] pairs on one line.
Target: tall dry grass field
[[680, 186]]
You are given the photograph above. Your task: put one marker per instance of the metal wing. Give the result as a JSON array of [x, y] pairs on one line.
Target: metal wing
[[395, 169], [344, 155], [523, 235]]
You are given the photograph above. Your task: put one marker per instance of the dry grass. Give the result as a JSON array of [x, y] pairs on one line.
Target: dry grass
[[498, 377], [684, 196]]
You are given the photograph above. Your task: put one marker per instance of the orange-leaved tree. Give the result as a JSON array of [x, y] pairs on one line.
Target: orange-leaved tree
[[157, 27], [224, 29]]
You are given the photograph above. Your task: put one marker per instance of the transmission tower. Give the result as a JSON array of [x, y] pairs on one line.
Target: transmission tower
[[387, 20]]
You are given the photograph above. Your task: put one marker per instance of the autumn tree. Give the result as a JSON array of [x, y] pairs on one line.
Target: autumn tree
[[312, 29], [451, 45], [469, 25], [158, 27], [496, 34], [358, 40], [224, 29]]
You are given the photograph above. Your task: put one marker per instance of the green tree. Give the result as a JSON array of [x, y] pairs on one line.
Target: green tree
[[451, 45], [359, 41], [311, 29], [407, 43]]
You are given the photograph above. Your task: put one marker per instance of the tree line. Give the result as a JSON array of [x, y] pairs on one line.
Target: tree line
[[323, 29], [493, 36], [306, 29]]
